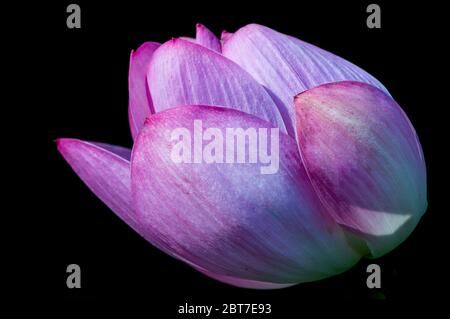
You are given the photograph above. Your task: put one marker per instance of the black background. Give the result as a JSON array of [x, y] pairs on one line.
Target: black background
[[77, 80]]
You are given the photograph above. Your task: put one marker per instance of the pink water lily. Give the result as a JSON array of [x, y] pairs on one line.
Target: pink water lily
[[351, 179]]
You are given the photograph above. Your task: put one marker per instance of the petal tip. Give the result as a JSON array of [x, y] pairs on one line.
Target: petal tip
[[62, 143]]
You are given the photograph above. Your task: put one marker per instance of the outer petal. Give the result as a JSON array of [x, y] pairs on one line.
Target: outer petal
[[364, 159], [206, 38], [140, 103], [286, 65], [229, 219], [105, 169], [183, 73]]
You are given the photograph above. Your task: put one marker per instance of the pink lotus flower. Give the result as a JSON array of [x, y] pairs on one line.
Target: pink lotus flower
[[351, 180]]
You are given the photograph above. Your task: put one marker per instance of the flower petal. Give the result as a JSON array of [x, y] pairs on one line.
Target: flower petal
[[286, 65], [225, 36], [105, 169], [189, 39], [206, 38], [183, 73], [364, 159], [140, 103], [228, 218]]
